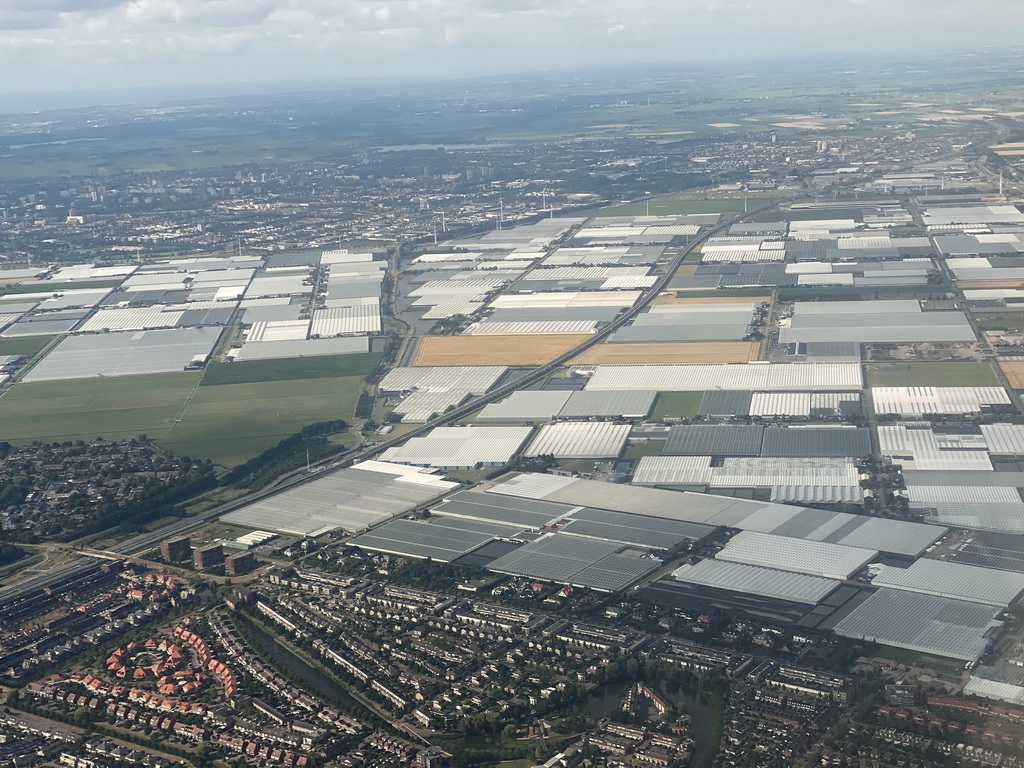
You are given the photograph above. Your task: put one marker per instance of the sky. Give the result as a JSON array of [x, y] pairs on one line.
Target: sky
[[86, 45]]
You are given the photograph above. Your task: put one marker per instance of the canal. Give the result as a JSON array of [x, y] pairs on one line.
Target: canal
[[609, 699], [282, 657]]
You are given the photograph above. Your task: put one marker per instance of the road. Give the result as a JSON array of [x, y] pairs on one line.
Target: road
[[146, 541]]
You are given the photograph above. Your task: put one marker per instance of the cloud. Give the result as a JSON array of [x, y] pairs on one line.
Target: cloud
[[209, 41]]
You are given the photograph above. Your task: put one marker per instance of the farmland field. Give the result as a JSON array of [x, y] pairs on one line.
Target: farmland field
[[288, 369], [84, 409], [23, 345], [683, 404], [234, 422], [671, 352], [931, 375], [1014, 373], [494, 350]]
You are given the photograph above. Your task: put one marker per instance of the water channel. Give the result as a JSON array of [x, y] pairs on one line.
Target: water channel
[[285, 659], [704, 747]]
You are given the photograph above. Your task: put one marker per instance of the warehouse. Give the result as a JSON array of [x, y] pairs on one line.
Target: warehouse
[[441, 540], [924, 623], [741, 376], [575, 561], [954, 580], [753, 580], [476, 380], [124, 354], [461, 448], [580, 440], [814, 558], [923, 401], [351, 499]]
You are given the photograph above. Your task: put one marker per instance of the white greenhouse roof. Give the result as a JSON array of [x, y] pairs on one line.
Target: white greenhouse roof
[[743, 376], [754, 580], [461, 447], [580, 440], [815, 558], [923, 623], [960, 582]]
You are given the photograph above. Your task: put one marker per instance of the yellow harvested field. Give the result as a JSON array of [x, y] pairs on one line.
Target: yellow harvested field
[[1014, 373], [666, 298], [968, 284], [724, 125], [1009, 145], [523, 349], [1009, 152], [674, 352]]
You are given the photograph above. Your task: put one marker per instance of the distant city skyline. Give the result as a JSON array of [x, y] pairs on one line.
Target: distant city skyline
[[206, 46]]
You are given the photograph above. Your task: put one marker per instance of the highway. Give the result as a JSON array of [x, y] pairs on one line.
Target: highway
[[146, 541]]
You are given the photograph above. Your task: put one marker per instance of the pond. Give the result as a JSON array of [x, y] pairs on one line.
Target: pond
[[608, 699]]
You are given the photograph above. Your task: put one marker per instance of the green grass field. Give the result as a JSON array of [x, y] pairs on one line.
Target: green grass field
[[290, 369], [931, 375], [23, 345], [84, 409], [234, 422], [229, 423], [678, 404]]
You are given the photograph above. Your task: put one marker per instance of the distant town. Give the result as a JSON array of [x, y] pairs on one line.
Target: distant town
[[590, 432]]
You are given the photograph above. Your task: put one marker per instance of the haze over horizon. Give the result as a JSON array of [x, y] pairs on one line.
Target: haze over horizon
[[66, 46]]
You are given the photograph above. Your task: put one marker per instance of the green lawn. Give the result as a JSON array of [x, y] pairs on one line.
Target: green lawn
[[229, 423], [23, 345], [677, 404], [84, 409], [291, 368], [232, 423], [931, 375]]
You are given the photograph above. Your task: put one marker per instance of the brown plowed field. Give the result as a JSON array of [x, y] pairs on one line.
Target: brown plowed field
[[525, 349]]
